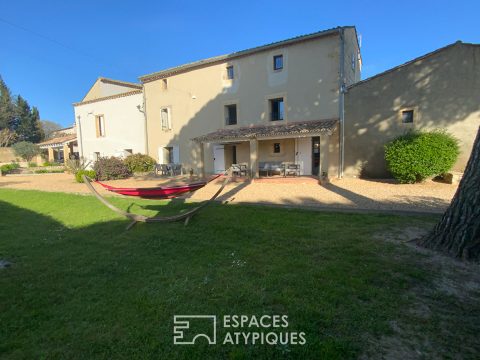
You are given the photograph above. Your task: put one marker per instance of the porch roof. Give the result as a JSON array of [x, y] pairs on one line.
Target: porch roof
[[294, 129], [58, 141]]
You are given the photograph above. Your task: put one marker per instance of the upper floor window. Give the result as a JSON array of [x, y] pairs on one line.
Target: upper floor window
[[354, 61], [100, 125], [278, 62], [231, 114], [230, 72], [407, 116], [165, 119], [276, 109]]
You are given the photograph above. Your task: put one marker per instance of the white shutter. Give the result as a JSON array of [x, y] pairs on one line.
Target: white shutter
[[161, 157], [176, 155]]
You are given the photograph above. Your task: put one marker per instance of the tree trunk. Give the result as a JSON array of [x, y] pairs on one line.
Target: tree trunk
[[458, 232]]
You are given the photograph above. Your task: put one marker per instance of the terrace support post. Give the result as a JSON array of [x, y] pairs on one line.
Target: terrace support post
[[51, 157], [66, 153], [254, 173], [324, 154], [201, 163]]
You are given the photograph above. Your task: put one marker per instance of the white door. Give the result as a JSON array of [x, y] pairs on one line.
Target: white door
[[304, 155], [218, 158], [176, 154]]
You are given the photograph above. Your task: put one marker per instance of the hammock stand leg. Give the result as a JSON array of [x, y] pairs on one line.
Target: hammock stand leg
[[132, 224]]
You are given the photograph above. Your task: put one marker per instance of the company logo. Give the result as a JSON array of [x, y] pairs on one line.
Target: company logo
[[188, 328], [239, 330]]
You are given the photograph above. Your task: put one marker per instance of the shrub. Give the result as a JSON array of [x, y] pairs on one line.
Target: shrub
[[7, 168], [416, 156], [48, 163], [90, 173], [49, 171], [111, 169], [140, 163], [75, 165], [26, 150], [32, 164]]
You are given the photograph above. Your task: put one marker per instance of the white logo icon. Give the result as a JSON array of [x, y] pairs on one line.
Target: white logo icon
[[181, 325]]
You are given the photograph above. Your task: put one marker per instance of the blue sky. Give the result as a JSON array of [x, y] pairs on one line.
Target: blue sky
[[52, 51]]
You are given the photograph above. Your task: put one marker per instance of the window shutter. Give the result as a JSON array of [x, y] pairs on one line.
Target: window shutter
[[97, 127], [161, 156], [176, 155]]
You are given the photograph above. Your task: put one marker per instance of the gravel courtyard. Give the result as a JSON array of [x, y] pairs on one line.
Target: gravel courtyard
[[345, 194]]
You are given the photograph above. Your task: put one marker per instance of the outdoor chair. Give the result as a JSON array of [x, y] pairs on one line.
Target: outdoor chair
[[239, 169], [162, 169], [291, 169]]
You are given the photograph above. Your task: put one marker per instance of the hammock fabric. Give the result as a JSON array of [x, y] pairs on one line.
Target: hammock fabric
[[158, 192], [158, 219]]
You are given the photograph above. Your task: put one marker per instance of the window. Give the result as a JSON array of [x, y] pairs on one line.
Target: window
[[231, 114], [230, 72], [354, 61], [164, 84], [276, 148], [165, 119], [276, 109], [100, 125], [407, 116], [278, 62], [96, 156]]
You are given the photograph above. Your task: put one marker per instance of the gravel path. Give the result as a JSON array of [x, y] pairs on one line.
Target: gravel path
[[345, 194]]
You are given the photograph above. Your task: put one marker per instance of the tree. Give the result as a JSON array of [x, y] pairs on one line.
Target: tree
[[7, 137], [7, 108], [26, 150], [458, 232], [49, 127], [27, 122]]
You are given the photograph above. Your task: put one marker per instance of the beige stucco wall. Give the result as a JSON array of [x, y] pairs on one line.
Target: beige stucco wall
[[101, 89], [308, 82], [287, 150], [444, 91]]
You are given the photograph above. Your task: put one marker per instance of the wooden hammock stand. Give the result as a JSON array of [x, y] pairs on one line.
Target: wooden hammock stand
[[155, 219]]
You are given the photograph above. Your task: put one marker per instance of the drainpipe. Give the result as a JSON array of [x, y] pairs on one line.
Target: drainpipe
[[341, 98], [145, 118], [80, 136]]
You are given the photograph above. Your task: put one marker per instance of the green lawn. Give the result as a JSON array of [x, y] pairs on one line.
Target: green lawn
[[80, 286]]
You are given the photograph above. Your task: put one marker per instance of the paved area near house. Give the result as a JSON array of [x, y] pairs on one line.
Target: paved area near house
[[348, 194]]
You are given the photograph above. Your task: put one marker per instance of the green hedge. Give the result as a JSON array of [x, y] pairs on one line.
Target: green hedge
[[140, 163], [111, 168], [7, 168], [90, 173], [415, 156]]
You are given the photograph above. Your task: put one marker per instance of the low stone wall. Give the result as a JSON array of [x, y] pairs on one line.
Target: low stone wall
[[7, 155]]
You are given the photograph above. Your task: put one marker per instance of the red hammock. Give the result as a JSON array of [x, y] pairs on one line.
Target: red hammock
[[158, 192]]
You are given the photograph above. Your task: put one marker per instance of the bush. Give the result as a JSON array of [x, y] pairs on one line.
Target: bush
[[48, 163], [32, 164], [140, 163], [415, 156], [90, 173], [49, 171], [26, 150], [75, 165], [111, 169], [7, 168]]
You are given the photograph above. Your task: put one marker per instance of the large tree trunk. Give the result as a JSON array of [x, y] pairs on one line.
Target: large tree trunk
[[458, 233]]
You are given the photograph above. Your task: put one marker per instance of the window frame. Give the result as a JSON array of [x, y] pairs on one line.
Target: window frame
[[402, 113], [230, 71], [100, 125], [280, 111], [275, 148], [275, 57], [169, 118], [227, 108]]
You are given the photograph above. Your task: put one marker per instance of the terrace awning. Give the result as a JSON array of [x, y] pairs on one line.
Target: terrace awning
[[58, 141], [291, 129]]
